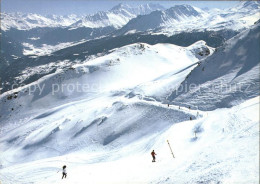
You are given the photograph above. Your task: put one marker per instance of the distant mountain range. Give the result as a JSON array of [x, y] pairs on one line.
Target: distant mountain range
[[26, 38], [185, 18], [157, 19], [116, 17], [142, 18], [24, 21]]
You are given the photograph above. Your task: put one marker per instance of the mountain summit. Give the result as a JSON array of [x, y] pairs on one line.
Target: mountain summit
[[118, 16], [161, 18]]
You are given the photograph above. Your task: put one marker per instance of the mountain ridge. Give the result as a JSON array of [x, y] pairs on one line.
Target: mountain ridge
[[228, 76], [121, 13]]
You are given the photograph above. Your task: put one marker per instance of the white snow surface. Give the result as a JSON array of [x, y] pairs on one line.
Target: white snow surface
[[228, 77], [225, 150], [106, 127]]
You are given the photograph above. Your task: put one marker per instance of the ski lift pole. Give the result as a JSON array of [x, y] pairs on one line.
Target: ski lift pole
[[170, 148]]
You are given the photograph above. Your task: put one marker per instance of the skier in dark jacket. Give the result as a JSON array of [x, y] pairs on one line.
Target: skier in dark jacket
[[64, 172], [153, 155]]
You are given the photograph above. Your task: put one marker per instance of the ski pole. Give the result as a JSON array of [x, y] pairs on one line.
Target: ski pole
[[170, 148]]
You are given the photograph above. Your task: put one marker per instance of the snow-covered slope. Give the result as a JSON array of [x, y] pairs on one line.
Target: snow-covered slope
[[223, 151], [102, 118], [107, 130], [242, 16], [136, 63], [100, 82], [247, 5], [229, 76]]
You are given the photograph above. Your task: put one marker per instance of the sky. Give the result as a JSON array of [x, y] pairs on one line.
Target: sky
[[82, 7]]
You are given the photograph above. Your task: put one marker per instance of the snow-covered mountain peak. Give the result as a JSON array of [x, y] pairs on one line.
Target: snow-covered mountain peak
[[186, 18], [245, 6], [161, 18], [183, 10], [117, 17], [121, 6], [141, 9], [151, 7], [201, 50], [181, 7], [249, 5]]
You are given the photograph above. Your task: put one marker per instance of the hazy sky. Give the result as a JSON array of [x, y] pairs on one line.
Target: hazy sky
[[80, 7]]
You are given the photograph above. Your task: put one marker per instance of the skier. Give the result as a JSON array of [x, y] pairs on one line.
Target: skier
[[153, 155], [64, 172]]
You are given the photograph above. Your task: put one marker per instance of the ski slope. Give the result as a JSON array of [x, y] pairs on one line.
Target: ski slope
[[236, 79], [222, 152], [104, 117]]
